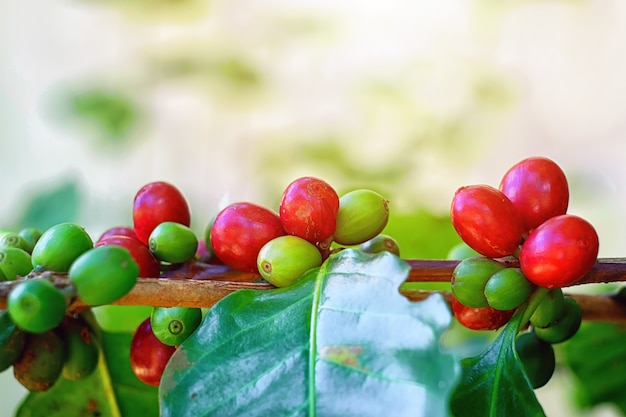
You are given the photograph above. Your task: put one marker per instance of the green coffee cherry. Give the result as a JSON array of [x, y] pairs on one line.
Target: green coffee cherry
[[173, 242], [380, 243], [81, 351], [59, 246], [14, 262], [31, 235], [41, 362], [507, 289], [362, 215], [565, 327], [550, 309], [461, 251], [173, 325], [12, 341], [284, 259], [104, 274], [537, 357], [13, 240], [36, 305], [469, 279]]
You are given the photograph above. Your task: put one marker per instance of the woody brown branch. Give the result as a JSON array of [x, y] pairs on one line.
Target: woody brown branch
[[203, 285]]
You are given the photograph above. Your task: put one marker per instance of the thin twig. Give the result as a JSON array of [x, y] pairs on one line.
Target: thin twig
[[203, 285]]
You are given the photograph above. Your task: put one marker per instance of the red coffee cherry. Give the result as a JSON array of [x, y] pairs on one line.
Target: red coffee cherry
[[559, 252], [240, 230], [308, 209], [149, 266], [155, 203], [118, 231], [486, 220], [538, 189], [148, 355], [482, 318]]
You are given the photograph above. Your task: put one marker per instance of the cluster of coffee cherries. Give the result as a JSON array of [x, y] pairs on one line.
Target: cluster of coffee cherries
[[312, 221], [528, 245], [37, 335]]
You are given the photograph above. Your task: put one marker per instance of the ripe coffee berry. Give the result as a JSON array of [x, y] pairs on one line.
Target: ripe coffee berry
[[240, 230], [155, 203], [538, 189], [308, 209], [149, 266], [486, 220], [559, 252], [148, 355], [483, 318]]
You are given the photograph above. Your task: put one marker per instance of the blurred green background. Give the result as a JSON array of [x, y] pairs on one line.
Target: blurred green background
[[232, 100]]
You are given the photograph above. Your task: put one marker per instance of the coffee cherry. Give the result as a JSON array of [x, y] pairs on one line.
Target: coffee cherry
[[31, 235], [507, 289], [155, 203], [565, 327], [14, 262], [283, 260], [13, 240], [173, 242], [173, 325], [104, 274], [118, 231], [308, 209], [149, 266], [240, 230], [550, 309], [469, 279], [537, 357], [41, 362], [59, 246], [362, 215], [148, 355], [81, 351], [538, 189], [36, 305], [12, 340], [380, 243], [483, 318], [559, 252], [486, 220]]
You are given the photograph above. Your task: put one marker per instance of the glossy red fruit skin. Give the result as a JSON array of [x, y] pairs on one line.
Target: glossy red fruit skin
[[118, 231], [559, 252], [486, 220], [240, 230], [155, 203], [483, 318], [538, 189], [308, 209], [148, 355], [149, 266]]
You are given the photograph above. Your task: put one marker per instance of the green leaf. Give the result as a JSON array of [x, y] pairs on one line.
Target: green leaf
[[111, 391], [599, 378], [52, 205], [493, 383], [341, 341], [110, 112]]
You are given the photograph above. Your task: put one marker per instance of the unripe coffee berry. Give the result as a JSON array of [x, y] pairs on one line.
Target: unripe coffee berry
[[469, 279], [362, 215], [284, 259], [507, 289]]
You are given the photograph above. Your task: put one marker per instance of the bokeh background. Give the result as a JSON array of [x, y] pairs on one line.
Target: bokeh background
[[232, 100]]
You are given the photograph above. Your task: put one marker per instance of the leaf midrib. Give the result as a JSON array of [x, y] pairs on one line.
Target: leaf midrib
[[313, 338]]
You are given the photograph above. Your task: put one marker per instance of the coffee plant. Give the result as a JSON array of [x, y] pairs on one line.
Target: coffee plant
[[310, 310]]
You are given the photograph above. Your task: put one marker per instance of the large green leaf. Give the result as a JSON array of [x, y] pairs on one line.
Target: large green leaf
[[342, 341], [493, 384], [112, 390], [51, 205], [599, 378]]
